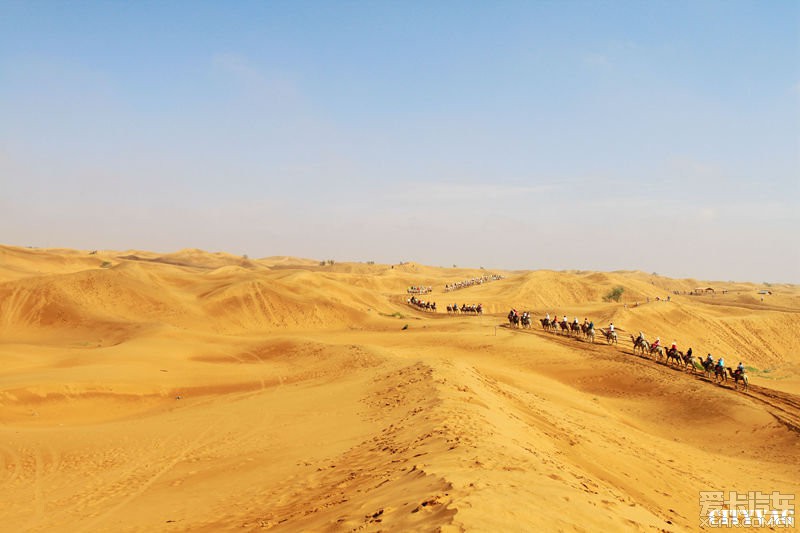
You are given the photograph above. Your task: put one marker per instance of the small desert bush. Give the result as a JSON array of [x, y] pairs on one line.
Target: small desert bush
[[614, 294]]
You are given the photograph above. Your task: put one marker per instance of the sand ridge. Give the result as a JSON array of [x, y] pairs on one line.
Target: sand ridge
[[199, 391]]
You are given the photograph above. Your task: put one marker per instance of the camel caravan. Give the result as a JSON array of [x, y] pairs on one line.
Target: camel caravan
[[419, 289], [671, 356], [688, 362], [585, 329], [471, 309], [712, 369], [517, 319], [471, 282], [465, 309], [422, 304]]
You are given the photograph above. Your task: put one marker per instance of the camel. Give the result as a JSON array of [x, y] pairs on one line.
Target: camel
[[640, 344], [719, 373], [657, 350], [737, 377], [688, 361], [674, 354], [513, 319], [590, 334], [575, 327], [564, 326], [708, 367], [611, 336]]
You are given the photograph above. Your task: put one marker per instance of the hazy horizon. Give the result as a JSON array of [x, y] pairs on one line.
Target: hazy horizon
[[627, 136]]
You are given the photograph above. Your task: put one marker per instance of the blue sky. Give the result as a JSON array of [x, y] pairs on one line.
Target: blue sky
[[661, 136]]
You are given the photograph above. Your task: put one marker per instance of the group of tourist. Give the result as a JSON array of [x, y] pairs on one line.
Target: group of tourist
[[471, 309], [419, 289], [471, 282], [640, 342], [709, 364], [421, 304], [587, 327]]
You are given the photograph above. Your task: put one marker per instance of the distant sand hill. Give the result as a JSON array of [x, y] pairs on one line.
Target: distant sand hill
[[198, 391]]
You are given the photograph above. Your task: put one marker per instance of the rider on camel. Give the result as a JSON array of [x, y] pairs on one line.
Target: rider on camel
[[611, 328], [721, 363], [709, 360], [641, 337], [657, 342], [575, 321], [566, 321], [674, 347], [739, 369]]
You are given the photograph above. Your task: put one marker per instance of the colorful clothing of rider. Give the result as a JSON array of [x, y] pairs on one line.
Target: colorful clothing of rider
[[721, 363], [740, 368]]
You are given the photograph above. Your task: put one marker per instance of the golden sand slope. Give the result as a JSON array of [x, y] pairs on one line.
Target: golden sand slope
[[208, 392]]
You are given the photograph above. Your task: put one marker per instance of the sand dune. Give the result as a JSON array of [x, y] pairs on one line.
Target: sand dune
[[201, 391]]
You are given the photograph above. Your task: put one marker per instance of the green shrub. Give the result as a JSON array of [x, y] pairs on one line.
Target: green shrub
[[614, 294]]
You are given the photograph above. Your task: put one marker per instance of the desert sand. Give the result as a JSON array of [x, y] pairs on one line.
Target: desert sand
[[200, 391]]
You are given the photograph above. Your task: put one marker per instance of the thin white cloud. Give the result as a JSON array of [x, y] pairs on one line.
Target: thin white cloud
[[469, 191], [595, 59], [253, 79], [708, 214]]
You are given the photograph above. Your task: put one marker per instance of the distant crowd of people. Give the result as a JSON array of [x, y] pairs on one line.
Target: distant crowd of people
[[422, 304], [419, 289], [470, 282], [471, 309]]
